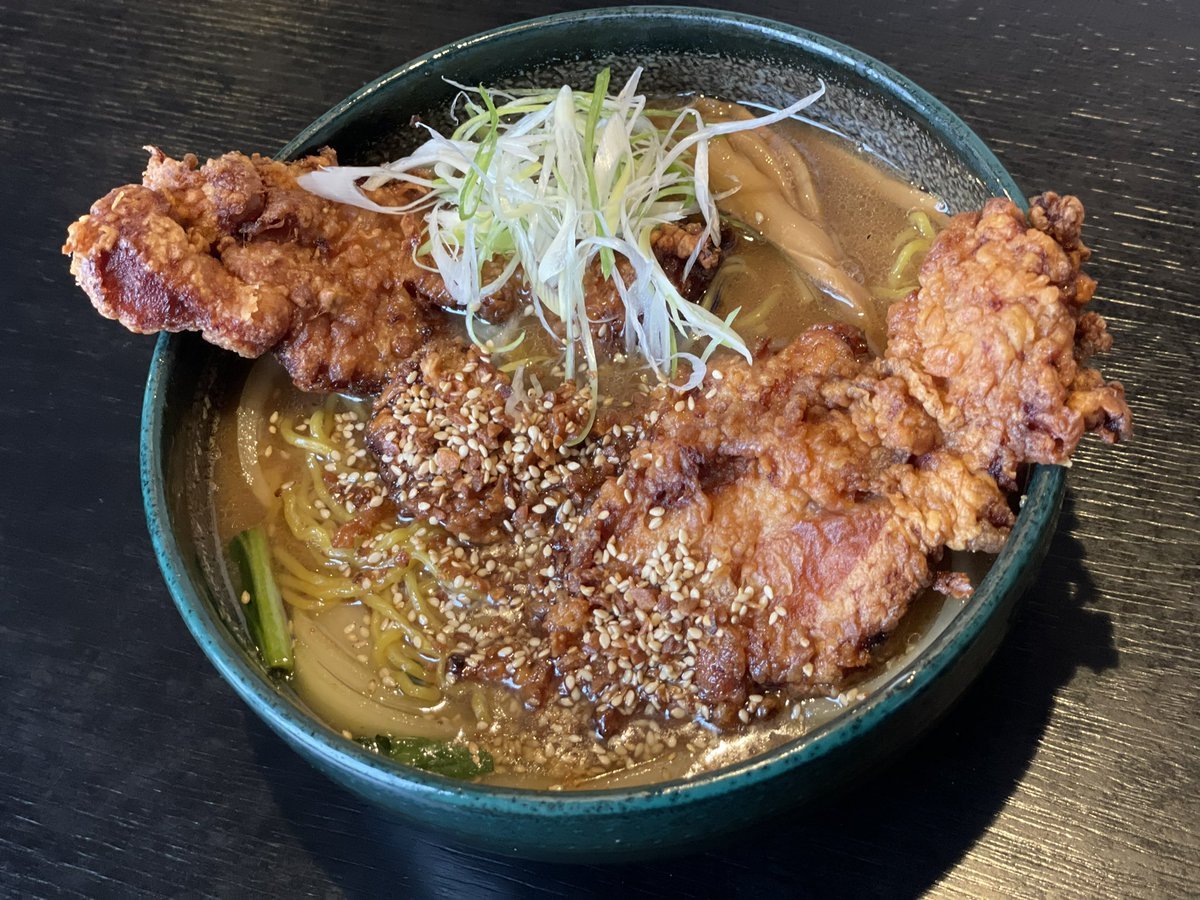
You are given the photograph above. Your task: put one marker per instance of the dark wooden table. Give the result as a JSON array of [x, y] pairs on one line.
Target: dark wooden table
[[127, 767]]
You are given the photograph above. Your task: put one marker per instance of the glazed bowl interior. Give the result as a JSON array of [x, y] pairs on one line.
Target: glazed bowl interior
[[681, 51]]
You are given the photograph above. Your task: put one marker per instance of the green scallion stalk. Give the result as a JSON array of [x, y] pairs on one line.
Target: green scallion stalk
[[265, 615], [470, 192], [591, 148], [454, 760]]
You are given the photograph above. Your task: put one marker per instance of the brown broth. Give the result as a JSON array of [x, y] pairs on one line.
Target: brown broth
[[858, 201]]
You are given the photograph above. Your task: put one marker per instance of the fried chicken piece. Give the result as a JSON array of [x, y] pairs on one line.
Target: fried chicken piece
[[459, 449], [672, 246], [437, 429], [994, 343], [838, 542], [236, 250], [773, 527], [511, 297]]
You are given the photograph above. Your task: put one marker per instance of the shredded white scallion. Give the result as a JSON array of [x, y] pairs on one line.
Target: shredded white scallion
[[552, 181]]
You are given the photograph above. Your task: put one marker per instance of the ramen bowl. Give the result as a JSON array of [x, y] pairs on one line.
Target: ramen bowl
[[681, 50]]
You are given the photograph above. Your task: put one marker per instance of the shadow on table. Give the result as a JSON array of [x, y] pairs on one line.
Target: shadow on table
[[893, 833]]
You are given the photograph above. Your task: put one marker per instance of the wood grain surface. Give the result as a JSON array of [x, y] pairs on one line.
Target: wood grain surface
[[128, 768]]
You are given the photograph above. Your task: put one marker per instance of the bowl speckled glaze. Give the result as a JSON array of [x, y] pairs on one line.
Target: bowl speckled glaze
[[733, 56]]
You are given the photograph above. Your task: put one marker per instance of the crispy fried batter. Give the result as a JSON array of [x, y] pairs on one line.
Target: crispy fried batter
[[437, 428], [236, 250], [994, 345], [457, 447], [672, 246]]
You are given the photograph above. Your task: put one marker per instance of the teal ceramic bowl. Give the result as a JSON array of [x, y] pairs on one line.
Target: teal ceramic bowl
[[681, 49]]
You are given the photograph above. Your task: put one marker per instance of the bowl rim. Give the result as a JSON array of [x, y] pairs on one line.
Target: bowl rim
[[1043, 494]]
